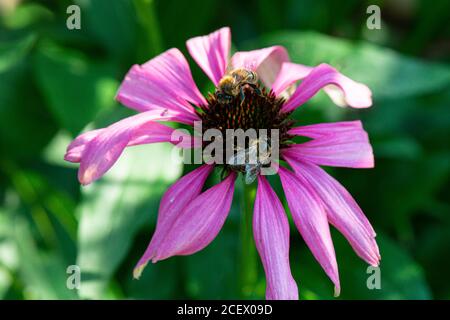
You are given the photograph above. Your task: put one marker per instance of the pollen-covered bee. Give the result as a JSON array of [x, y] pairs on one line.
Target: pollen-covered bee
[[231, 85], [251, 159]]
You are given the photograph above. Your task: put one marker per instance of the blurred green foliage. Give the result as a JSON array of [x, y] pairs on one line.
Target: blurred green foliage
[[56, 82]]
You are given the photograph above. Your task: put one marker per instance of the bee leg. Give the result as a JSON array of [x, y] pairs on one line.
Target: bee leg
[[257, 89], [241, 91]]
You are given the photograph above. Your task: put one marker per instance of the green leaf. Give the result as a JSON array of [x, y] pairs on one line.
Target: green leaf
[[116, 207], [26, 15], [397, 147], [195, 20], [8, 254], [51, 209], [158, 281], [76, 88], [13, 52], [213, 272], [112, 23], [6, 280], [56, 148], [387, 73], [21, 107], [43, 273], [433, 247], [151, 42]]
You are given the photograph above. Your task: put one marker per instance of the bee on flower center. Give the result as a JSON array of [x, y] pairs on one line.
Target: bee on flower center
[[231, 85], [251, 159]]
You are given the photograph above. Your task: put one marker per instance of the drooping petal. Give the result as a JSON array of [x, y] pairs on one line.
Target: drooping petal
[[199, 223], [76, 148], [266, 62], [163, 82], [211, 52], [342, 210], [176, 198], [100, 153], [271, 232], [320, 130], [354, 94], [311, 220], [151, 133], [345, 145]]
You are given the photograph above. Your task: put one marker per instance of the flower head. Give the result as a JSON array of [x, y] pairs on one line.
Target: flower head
[[261, 95]]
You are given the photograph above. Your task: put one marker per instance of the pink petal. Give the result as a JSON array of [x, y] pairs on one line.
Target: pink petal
[[76, 148], [163, 82], [342, 210], [271, 232], [176, 198], [340, 145], [103, 150], [266, 62], [211, 52], [199, 223], [311, 220], [320, 130], [151, 133], [354, 94], [288, 75]]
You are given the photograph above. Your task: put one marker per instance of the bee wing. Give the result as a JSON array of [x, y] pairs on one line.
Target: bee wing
[[264, 151], [263, 144], [238, 158], [251, 172], [252, 153], [265, 159]]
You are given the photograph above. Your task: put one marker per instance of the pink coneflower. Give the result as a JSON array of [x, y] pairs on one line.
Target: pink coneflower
[[189, 218]]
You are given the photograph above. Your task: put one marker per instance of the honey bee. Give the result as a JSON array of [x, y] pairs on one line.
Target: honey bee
[[231, 85], [251, 158]]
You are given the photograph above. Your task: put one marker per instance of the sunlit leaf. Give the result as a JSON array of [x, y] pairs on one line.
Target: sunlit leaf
[[26, 15], [8, 254], [75, 87], [116, 206], [13, 52], [43, 273]]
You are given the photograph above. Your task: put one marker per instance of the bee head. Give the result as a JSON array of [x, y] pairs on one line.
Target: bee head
[[223, 98]]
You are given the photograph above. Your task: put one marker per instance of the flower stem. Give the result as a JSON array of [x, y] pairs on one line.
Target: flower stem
[[248, 268]]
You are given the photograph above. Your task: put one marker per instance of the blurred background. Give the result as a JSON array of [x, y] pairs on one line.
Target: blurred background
[[56, 82]]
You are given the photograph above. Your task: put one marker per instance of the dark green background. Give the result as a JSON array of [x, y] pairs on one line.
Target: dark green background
[[55, 82]]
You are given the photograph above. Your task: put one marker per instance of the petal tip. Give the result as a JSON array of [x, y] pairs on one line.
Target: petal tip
[[137, 271], [87, 176], [69, 157], [337, 291]]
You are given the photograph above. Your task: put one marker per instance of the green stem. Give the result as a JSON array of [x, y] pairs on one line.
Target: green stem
[[248, 270]]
